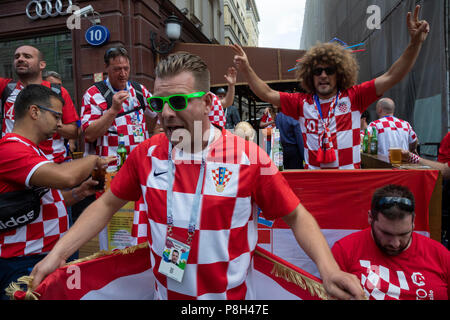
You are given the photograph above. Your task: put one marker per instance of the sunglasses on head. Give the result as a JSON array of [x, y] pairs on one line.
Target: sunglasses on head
[[328, 70], [114, 52], [404, 204], [177, 102]]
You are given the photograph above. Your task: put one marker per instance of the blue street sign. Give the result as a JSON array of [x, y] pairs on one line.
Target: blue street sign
[[97, 35]]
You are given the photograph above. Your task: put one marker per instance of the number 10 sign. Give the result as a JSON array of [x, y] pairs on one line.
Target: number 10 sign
[[97, 35]]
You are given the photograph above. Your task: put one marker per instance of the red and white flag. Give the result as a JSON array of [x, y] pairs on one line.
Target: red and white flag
[[118, 275], [338, 199], [126, 275]]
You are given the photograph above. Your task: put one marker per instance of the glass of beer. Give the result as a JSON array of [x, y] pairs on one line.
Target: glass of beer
[[395, 155], [99, 174]]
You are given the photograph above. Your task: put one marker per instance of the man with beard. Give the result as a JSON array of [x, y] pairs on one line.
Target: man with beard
[[28, 64], [392, 261], [330, 110]]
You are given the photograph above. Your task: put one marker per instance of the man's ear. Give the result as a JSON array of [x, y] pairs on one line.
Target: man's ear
[[208, 99], [42, 65], [370, 217], [33, 111]]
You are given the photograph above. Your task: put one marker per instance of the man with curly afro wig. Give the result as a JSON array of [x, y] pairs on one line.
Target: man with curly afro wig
[[330, 110]]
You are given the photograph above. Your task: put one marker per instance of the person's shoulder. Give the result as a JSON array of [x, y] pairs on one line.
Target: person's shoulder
[[92, 89], [430, 243], [354, 238], [154, 145]]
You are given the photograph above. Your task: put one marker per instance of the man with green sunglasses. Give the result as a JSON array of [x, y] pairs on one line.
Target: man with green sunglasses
[[201, 186]]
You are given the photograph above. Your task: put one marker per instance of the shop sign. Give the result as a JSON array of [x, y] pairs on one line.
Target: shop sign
[[97, 35], [47, 8]]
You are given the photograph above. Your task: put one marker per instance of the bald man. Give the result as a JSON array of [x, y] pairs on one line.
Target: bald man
[[392, 132]]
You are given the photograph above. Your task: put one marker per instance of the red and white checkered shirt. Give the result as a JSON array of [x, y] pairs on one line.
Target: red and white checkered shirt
[[20, 159], [217, 115], [54, 147], [93, 107], [344, 125], [392, 132], [220, 260]]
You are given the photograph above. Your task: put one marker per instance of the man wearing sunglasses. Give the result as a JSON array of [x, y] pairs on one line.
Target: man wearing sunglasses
[[329, 112], [391, 261], [23, 166], [201, 185], [29, 64]]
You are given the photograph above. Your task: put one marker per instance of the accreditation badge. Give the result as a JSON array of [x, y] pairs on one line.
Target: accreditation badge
[[138, 133], [174, 259]]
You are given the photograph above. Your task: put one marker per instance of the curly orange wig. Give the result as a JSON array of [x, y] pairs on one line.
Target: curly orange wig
[[330, 54]]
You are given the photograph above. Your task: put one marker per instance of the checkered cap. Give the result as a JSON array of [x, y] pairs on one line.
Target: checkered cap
[[217, 115]]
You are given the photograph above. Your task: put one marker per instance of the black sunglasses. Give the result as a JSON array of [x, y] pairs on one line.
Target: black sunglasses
[[328, 70], [56, 114], [404, 204]]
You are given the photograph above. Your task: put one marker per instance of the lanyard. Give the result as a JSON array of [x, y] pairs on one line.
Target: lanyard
[[330, 111], [196, 203], [131, 99]]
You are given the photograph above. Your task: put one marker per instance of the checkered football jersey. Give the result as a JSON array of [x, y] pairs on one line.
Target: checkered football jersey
[[93, 107], [217, 115], [20, 159], [421, 272], [344, 125], [392, 132], [220, 261], [53, 148]]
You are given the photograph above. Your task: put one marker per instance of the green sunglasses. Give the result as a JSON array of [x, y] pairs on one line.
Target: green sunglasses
[[177, 102]]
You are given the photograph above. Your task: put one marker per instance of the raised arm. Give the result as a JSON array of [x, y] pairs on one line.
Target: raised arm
[[258, 86], [230, 77], [418, 31], [338, 284]]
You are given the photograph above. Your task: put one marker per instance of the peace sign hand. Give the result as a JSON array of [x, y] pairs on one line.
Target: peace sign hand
[[240, 58], [418, 30]]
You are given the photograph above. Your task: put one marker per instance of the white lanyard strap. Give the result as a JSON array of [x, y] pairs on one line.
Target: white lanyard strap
[[196, 204]]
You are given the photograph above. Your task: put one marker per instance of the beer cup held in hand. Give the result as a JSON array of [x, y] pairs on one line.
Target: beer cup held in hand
[[98, 174], [395, 155]]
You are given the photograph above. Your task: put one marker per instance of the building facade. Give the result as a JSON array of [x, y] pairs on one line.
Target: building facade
[[63, 38], [207, 16], [241, 22]]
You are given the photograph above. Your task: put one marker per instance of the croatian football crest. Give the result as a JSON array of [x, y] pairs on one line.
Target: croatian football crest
[[221, 176]]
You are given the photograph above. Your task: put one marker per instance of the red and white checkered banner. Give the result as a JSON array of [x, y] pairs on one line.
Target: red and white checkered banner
[[126, 275]]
